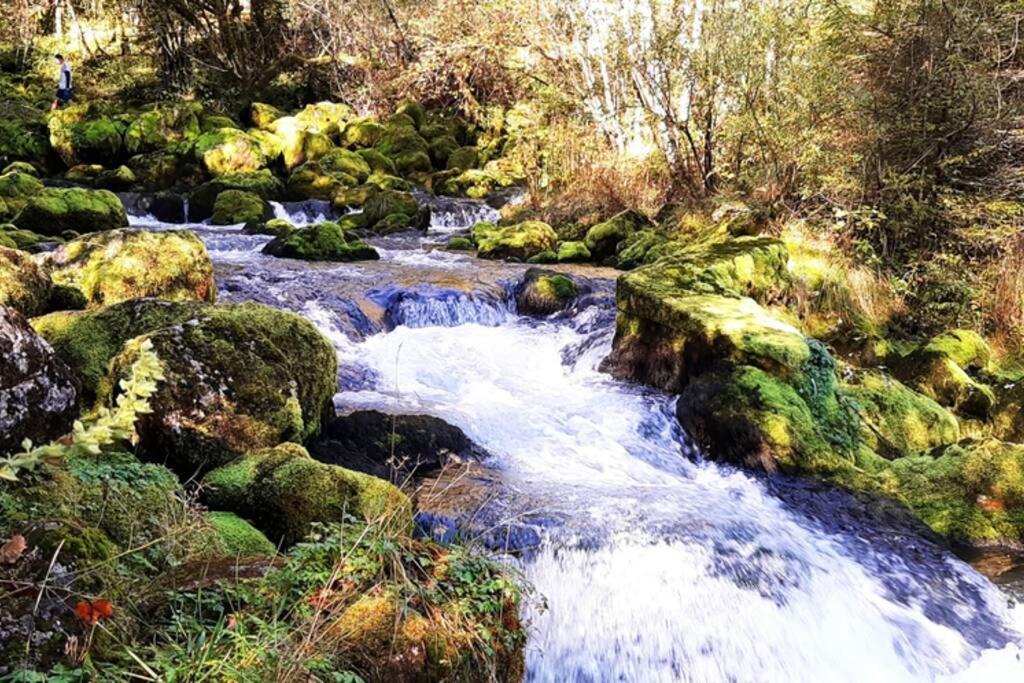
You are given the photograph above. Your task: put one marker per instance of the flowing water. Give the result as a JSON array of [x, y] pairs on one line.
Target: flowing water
[[649, 564]]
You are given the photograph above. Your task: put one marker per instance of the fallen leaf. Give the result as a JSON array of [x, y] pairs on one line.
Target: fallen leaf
[[12, 549]]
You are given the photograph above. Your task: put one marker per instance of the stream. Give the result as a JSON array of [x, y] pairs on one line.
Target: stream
[[648, 563]]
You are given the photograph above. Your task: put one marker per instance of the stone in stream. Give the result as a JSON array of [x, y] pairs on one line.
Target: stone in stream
[[203, 198], [38, 393], [392, 447], [325, 241], [603, 239], [514, 242], [239, 206], [109, 267], [544, 292], [52, 211]]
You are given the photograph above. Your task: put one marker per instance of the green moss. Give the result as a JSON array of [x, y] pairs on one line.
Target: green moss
[[240, 206], [20, 167], [441, 149], [227, 151], [966, 348], [463, 159], [238, 378], [284, 491], [210, 122], [118, 265], [312, 181], [17, 188], [52, 211], [414, 110], [544, 292], [237, 537], [321, 242], [479, 183], [383, 181], [88, 340], [23, 139], [641, 247], [324, 117], [603, 239], [262, 183], [460, 244], [162, 127], [377, 162], [572, 252], [263, 115], [939, 370], [300, 145], [388, 202], [395, 222], [276, 227], [79, 139], [23, 285], [363, 132], [519, 241], [409, 163], [348, 163], [26, 240], [353, 197]]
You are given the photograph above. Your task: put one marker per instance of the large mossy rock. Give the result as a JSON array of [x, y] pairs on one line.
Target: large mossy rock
[[262, 183], [164, 126], [53, 211], [312, 181], [24, 286], [240, 206], [348, 163], [603, 239], [88, 340], [38, 394], [477, 183], [519, 241], [227, 151], [117, 265], [971, 492], [543, 292], [262, 115], [321, 242], [17, 188], [298, 145], [363, 132], [238, 537], [386, 203], [897, 421], [80, 138], [942, 368], [283, 491], [238, 378]]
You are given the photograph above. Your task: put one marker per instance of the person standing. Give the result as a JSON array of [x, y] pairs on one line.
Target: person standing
[[65, 87]]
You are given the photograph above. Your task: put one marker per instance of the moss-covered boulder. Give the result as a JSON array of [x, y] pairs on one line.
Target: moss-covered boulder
[[543, 292], [88, 340], [113, 266], [24, 286], [240, 206], [17, 188], [478, 183], [283, 491], [299, 142], [941, 370], [324, 117], [163, 126], [363, 132], [896, 421], [463, 159], [405, 147], [603, 239], [642, 247], [238, 378], [156, 171], [275, 227], [53, 211], [572, 252], [26, 240], [235, 536], [118, 179], [377, 162], [262, 183], [80, 138], [414, 110], [312, 181], [227, 151], [971, 492], [321, 242], [353, 197], [20, 167], [388, 202], [346, 162], [262, 115], [441, 149], [519, 241], [38, 394], [383, 181]]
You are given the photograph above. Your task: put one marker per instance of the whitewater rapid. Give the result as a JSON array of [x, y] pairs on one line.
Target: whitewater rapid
[[653, 564]]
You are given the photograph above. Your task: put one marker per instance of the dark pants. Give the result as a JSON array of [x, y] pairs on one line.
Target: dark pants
[[65, 94]]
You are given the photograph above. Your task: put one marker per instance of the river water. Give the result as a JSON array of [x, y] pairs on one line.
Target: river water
[[649, 563]]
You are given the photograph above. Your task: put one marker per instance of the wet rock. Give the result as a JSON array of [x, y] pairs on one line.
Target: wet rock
[[263, 183], [519, 241], [52, 211], [239, 206], [325, 241], [24, 286], [38, 394], [283, 490], [17, 188], [604, 238], [167, 207], [392, 447], [543, 292], [312, 181], [572, 252], [109, 267], [238, 378]]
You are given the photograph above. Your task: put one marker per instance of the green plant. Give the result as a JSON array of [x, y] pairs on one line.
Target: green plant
[[106, 427]]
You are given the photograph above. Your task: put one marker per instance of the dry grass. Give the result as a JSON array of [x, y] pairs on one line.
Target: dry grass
[[1004, 305]]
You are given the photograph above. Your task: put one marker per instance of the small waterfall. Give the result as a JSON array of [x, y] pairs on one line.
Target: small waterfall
[[450, 215], [308, 212], [432, 307]]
